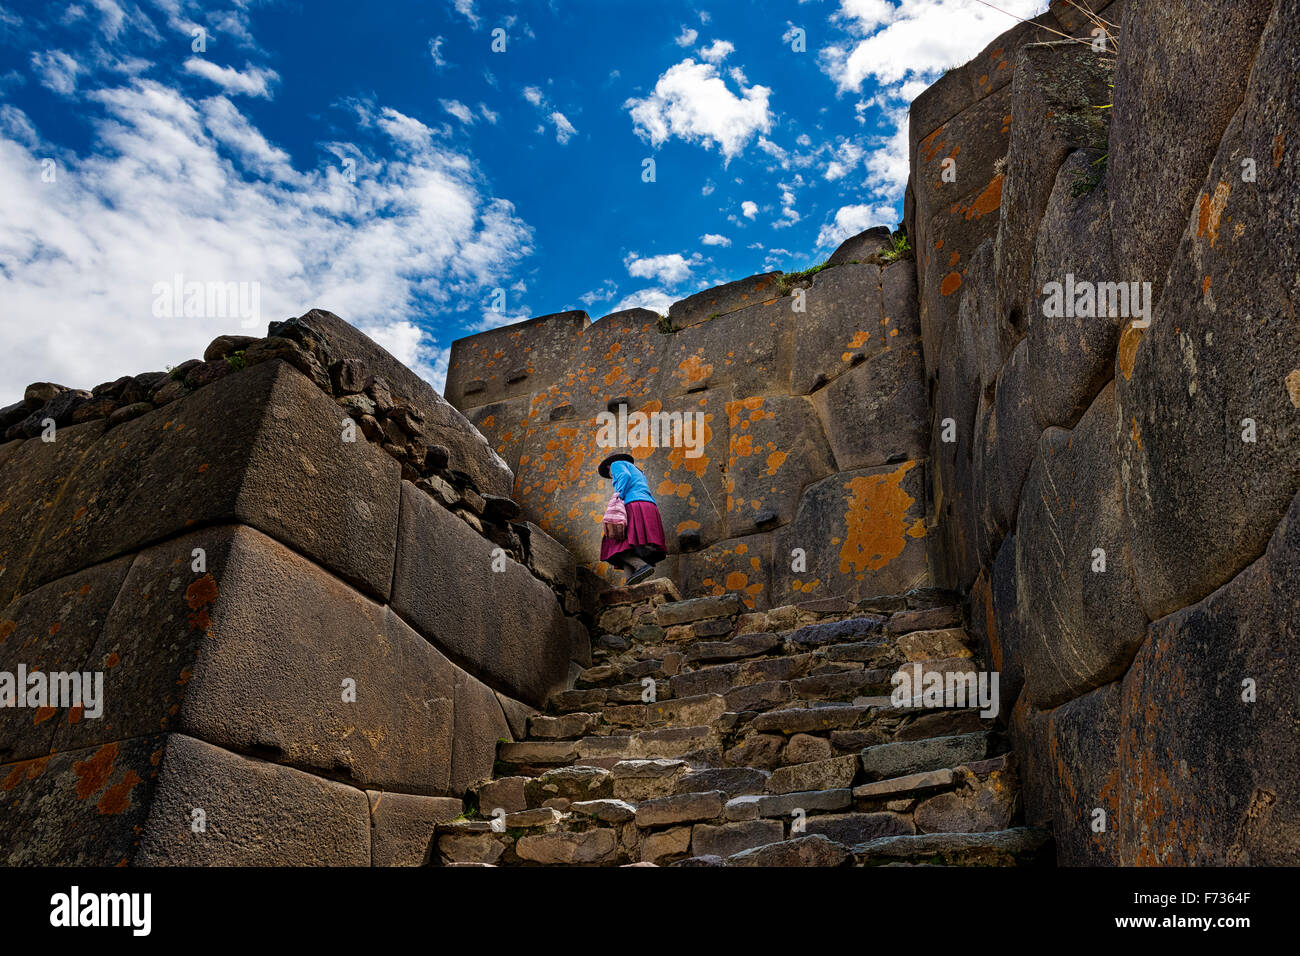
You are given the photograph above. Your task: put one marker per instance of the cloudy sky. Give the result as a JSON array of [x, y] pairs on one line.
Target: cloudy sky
[[430, 168]]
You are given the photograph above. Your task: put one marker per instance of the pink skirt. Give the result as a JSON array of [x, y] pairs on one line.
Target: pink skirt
[[645, 536]]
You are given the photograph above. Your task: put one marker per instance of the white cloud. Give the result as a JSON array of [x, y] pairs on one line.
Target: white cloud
[[915, 39], [563, 128], [57, 71], [687, 36], [851, 220], [692, 102], [171, 185], [750, 209], [603, 293], [847, 157], [707, 188], [717, 51], [466, 9], [459, 110], [888, 165], [656, 300], [253, 81], [435, 51], [667, 269], [713, 239], [789, 215]]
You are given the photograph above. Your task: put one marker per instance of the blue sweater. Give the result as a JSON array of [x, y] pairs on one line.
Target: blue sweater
[[630, 483]]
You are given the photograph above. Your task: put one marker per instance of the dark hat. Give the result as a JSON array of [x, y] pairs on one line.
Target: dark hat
[[610, 459]]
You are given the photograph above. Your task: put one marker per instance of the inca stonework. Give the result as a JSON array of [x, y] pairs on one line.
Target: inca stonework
[[348, 624]]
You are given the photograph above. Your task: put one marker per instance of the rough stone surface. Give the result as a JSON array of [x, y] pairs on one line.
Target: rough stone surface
[[507, 623]]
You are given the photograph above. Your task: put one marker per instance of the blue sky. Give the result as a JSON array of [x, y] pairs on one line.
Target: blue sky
[[383, 161]]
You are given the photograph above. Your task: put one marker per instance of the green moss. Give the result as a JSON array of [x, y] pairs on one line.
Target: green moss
[[790, 281], [899, 248], [236, 360]]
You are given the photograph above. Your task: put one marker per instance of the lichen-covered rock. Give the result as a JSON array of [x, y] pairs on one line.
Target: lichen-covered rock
[[776, 449], [859, 533], [876, 413], [1220, 364], [1058, 97], [1181, 76]]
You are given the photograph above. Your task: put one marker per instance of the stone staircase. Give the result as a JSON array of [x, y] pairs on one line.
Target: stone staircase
[[705, 735]]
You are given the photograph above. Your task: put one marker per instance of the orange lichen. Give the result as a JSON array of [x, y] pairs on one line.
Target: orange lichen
[[118, 797], [1211, 213], [876, 519], [1129, 341], [92, 774]]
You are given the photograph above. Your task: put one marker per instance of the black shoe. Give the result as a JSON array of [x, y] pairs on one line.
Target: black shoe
[[640, 574]]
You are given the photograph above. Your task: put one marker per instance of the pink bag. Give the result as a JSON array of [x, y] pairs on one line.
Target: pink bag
[[615, 512]]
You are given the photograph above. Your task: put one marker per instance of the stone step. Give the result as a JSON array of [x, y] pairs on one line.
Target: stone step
[[1018, 846], [670, 742], [643, 593], [885, 761], [698, 609]]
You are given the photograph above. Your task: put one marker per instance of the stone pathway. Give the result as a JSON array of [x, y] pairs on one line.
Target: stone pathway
[[770, 740]]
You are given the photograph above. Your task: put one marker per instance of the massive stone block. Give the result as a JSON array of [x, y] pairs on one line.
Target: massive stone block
[[748, 349], [81, 808], [505, 425], [1013, 434], [32, 479], [943, 247], [741, 566], [862, 534], [1214, 778], [1224, 347], [256, 813], [504, 627], [706, 305], [1182, 68], [1080, 626], [262, 447], [840, 325], [876, 412], [1072, 756], [618, 356], [1055, 96], [133, 801], [53, 629], [513, 361], [334, 340], [1072, 357], [776, 449], [256, 653]]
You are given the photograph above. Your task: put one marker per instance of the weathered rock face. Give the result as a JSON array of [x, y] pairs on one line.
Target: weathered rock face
[[812, 404], [1113, 502], [272, 625]]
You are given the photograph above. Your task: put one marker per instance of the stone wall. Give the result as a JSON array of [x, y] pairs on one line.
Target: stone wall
[[1156, 691], [312, 609], [812, 393]]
